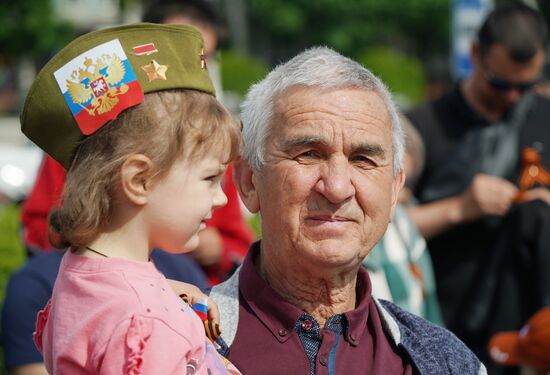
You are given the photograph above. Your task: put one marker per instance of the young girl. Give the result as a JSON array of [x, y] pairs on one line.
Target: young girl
[[146, 151]]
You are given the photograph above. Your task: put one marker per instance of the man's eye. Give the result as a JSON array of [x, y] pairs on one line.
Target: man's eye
[[363, 160], [309, 154]]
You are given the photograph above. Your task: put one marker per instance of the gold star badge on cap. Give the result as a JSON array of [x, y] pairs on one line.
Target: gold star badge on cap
[[155, 71]]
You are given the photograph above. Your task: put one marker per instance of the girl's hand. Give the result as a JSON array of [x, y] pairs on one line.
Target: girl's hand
[[194, 295]]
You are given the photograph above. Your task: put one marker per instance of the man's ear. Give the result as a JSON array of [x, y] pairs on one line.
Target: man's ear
[[136, 175], [397, 185], [244, 179]]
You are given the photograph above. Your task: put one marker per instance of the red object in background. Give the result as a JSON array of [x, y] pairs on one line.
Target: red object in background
[[529, 346], [44, 195], [228, 220]]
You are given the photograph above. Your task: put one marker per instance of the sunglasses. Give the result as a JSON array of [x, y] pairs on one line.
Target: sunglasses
[[501, 84]]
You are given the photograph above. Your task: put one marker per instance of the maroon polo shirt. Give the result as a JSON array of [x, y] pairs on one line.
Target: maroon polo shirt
[[267, 341]]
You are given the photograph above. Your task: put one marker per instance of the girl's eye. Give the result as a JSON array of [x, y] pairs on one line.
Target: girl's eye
[[214, 179]]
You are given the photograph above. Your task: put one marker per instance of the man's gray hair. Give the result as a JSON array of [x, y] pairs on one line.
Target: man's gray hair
[[316, 67]]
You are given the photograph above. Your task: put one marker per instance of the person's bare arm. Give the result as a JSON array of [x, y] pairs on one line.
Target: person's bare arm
[[195, 295], [210, 247], [436, 217], [30, 369], [487, 195]]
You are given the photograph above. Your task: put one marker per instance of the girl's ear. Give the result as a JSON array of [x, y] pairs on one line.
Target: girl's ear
[[136, 175], [243, 176]]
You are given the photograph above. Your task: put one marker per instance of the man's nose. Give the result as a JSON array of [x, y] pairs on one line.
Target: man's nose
[[335, 182]]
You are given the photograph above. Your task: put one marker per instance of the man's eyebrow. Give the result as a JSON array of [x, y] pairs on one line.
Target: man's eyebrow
[[369, 149], [301, 141]]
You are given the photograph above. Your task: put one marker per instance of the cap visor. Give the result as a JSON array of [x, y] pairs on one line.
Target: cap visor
[[503, 348]]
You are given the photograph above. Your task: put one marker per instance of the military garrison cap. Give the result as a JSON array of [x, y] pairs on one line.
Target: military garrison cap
[[102, 73]]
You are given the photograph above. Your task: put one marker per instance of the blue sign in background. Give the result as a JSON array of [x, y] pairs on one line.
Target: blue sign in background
[[467, 17]]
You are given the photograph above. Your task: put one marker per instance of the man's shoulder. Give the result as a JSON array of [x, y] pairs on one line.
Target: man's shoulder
[[430, 113], [431, 347], [226, 296]]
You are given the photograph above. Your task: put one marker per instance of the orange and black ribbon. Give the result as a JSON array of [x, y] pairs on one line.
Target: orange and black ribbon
[[211, 329]]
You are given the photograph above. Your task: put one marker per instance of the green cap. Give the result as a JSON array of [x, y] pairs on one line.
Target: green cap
[[102, 73]]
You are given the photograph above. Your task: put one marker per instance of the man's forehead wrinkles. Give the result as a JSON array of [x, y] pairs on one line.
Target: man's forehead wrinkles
[[377, 116], [300, 115], [320, 120]]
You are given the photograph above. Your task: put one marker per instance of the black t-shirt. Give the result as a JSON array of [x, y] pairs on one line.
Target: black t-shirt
[[458, 254]]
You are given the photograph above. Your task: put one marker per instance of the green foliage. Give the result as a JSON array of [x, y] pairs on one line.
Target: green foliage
[[419, 26], [544, 7], [255, 222], [403, 74], [29, 28], [239, 71], [12, 254]]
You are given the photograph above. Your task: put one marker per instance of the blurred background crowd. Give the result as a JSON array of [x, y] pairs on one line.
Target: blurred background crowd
[[420, 49]]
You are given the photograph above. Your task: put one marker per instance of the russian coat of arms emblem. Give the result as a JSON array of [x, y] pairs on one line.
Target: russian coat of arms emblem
[[98, 81], [99, 84]]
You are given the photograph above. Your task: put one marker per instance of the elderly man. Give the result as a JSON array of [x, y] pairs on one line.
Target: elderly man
[[322, 165]]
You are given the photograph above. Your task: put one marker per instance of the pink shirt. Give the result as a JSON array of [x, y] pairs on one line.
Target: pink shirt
[[116, 316]]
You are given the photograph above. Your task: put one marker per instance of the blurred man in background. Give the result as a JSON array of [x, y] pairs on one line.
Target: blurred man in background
[[489, 245]]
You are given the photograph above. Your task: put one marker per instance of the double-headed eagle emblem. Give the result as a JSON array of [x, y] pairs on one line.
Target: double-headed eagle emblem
[[98, 82]]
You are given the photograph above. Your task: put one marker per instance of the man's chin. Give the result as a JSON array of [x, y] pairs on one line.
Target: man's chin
[[331, 252]]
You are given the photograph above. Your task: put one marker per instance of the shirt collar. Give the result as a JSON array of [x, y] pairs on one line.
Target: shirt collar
[[280, 316]]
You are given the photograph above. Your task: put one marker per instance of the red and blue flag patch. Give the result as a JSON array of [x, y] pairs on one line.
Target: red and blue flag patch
[[98, 85], [201, 309]]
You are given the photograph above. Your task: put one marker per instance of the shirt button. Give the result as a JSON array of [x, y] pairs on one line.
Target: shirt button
[[323, 360], [307, 325], [283, 332]]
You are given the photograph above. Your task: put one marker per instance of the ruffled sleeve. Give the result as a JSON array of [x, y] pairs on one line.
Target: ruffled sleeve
[[138, 333], [145, 345]]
